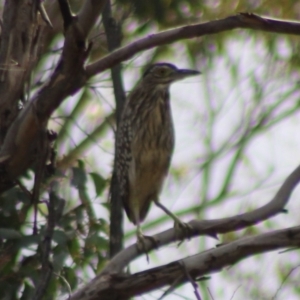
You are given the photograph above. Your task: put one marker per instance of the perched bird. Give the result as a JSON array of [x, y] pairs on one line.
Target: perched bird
[[145, 142]]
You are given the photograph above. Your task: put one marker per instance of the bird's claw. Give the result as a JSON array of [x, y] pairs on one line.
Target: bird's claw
[[141, 245], [182, 231]]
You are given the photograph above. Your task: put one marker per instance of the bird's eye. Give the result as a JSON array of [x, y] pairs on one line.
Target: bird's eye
[[162, 72]]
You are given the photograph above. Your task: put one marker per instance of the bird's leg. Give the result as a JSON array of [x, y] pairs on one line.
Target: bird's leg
[[141, 245], [140, 239], [181, 228]]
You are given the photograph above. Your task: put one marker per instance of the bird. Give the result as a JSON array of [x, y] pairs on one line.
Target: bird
[[145, 142]]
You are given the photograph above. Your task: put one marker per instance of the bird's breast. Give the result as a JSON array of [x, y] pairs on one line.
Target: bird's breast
[[157, 122]]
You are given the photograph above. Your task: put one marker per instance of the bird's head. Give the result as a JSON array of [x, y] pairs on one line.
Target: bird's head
[[165, 74]]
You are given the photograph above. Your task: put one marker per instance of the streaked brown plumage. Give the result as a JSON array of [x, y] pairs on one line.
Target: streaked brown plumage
[[145, 141]]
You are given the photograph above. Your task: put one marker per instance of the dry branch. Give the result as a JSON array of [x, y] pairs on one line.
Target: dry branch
[[70, 75], [17, 150], [113, 286], [242, 20]]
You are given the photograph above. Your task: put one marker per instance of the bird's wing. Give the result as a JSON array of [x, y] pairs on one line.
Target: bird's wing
[[123, 161]]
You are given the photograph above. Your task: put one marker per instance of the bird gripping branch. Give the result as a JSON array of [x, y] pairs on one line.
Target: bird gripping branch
[[145, 142]]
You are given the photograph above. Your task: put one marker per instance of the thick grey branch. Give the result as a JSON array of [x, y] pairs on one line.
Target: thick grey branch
[[113, 286], [213, 227], [203, 263]]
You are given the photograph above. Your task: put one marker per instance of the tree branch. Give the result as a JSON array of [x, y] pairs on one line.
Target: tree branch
[[105, 280], [89, 14], [213, 227], [69, 75], [55, 208], [113, 286], [19, 40], [242, 20]]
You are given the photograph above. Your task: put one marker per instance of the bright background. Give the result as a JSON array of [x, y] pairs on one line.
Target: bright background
[[237, 139]]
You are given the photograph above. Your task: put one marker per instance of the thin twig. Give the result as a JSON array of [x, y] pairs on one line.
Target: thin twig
[[46, 270], [210, 293], [284, 280], [191, 280], [39, 174], [172, 287], [235, 292]]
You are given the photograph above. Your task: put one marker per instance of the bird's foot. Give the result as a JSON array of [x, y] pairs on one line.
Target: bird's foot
[[141, 243], [182, 231]]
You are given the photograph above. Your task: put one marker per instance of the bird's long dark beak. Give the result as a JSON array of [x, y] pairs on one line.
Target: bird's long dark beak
[[186, 72]]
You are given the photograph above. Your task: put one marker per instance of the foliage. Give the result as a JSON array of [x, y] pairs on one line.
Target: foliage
[[260, 94]]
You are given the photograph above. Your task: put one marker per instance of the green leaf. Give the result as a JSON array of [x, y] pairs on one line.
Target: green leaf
[[28, 291], [106, 205], [29, 240], [96, 241], [9, 234], [75, 250], [60, 237], [59, 258], [79, 178], [70, 276], [99, 183]]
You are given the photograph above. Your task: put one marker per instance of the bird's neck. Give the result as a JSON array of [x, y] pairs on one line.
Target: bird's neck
[[161, 93]]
